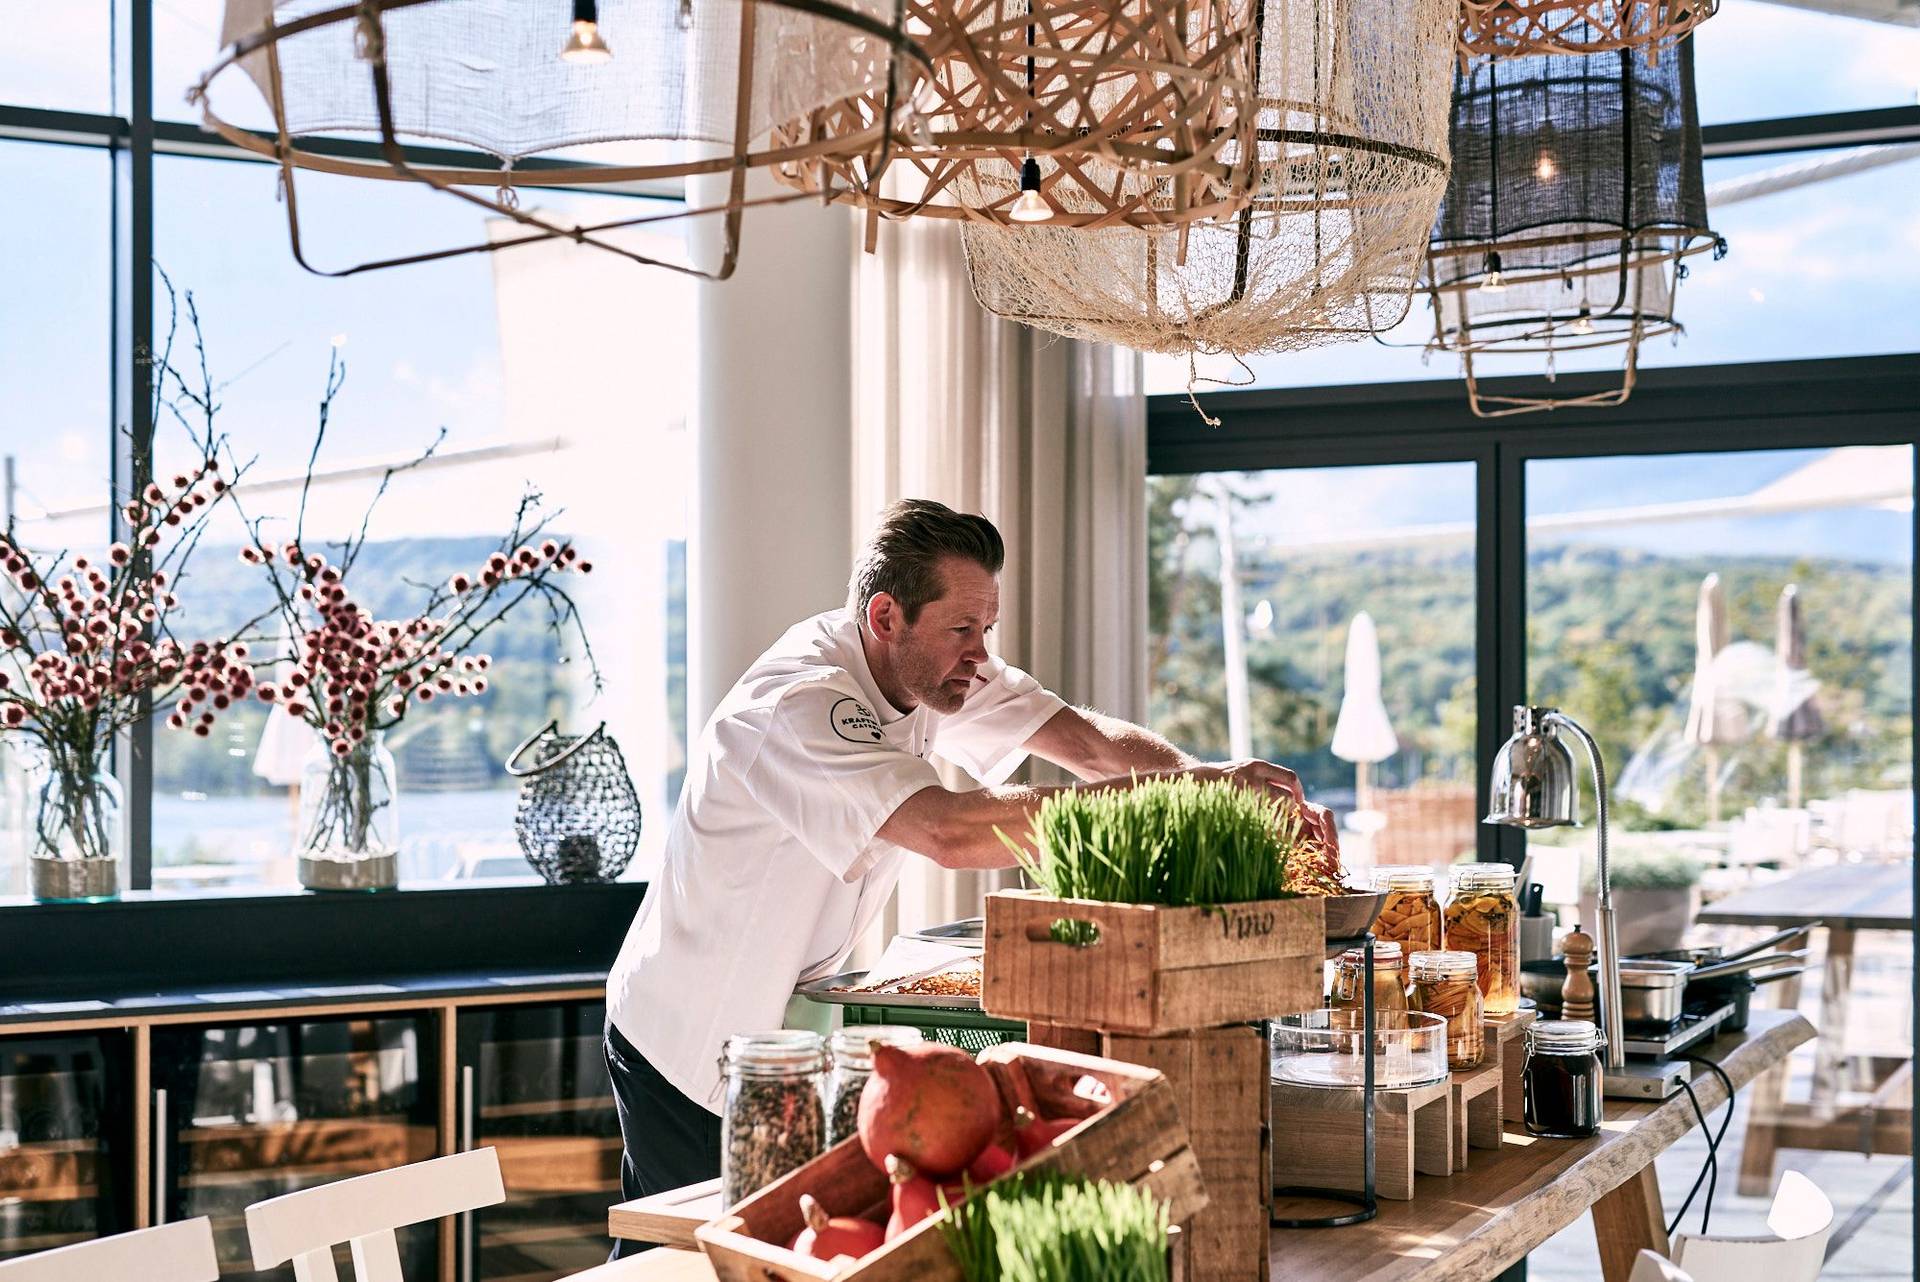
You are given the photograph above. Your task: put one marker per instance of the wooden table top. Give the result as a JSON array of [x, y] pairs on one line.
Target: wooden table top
[[1846, 896], [1479, 1221], [1472, 1224]]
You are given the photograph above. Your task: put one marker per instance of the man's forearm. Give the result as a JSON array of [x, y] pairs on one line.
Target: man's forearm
[[1095, 746]]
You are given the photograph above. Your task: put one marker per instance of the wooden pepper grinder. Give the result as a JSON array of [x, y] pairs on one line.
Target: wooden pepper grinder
[[1577, 993]]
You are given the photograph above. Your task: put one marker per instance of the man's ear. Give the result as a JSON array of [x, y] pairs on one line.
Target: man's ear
[[885, 618]]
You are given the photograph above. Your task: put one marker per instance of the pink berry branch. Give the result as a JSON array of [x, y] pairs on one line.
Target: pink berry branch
[[353, 674], [87, 649]]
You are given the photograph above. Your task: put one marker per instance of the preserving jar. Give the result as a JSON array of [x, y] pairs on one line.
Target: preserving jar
[[1561, 1080], [1410, 913], [1483, 918], [1444, 984], [1389, 978], [775, 1117], [852, 1049]]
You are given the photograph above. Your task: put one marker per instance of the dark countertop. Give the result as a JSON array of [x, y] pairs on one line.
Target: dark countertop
[[215, 1001]]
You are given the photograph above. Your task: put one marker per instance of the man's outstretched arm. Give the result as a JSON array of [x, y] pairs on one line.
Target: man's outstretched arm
[[1095, 746]]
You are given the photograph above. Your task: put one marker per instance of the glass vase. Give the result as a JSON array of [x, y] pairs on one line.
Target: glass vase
[[77, 834], [349, 824]]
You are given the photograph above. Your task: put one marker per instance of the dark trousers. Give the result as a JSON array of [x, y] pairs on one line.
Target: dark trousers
[[670, 1141]]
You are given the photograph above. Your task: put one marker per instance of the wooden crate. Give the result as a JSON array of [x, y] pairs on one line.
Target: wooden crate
[[1132, 1132], [1219, 1077], [1151, 970]]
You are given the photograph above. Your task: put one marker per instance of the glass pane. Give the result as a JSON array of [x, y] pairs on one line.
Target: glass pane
[[56, 429], [551, 367], [1386, 738], [1756, 60], [257, 1110], [542, 1101], [66, 1153], [1743, 753], [59, 56]]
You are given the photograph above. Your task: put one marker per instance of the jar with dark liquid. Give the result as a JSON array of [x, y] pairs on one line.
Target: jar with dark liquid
[[1564, 1095]]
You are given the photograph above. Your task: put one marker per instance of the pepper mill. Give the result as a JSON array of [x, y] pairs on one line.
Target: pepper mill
[[1577, 993]]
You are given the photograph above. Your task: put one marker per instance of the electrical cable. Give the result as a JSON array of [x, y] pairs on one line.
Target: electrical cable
[[1710, 1169]]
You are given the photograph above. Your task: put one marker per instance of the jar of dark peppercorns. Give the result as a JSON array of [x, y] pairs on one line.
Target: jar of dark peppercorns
[[775, 1118], [852, 1049]]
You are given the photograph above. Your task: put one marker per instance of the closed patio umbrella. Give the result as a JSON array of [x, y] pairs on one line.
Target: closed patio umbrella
[[1711, 719], [1362, 734], [1794, 717]]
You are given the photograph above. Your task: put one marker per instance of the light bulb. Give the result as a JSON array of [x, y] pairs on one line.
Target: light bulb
[[1494, 282], [1582, 324], [1545, 169], [1030, 206], [584, 46]]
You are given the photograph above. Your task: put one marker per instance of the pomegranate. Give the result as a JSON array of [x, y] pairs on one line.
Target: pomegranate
[[828, 1237], [928, 1103], [993, 1162], [915, 1197], [1031, 1135]]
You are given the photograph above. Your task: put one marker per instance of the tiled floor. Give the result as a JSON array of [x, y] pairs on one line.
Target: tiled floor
[[1872, 1197]]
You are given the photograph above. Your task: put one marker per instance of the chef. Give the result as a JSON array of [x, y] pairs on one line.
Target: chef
[[810, 784]]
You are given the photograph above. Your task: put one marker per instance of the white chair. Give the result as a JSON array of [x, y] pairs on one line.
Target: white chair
[[1801, 1221], [181, 1252], [364, 1211], [1650, 1266]]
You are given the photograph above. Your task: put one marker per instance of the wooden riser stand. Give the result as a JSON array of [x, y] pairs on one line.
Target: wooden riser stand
[[1219, 1076]]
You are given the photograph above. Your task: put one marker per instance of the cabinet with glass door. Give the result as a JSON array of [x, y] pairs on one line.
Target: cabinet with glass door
[[65, 1143]]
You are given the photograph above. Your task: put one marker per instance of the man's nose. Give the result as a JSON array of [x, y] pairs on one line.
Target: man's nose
[[976, 653]]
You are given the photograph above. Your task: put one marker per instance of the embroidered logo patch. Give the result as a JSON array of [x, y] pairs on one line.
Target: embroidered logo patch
[[853, 721]]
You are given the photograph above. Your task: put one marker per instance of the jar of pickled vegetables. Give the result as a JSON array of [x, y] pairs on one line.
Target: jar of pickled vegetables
[[1410, 913], [1483, 918], [1445, 984], [1389, 978]]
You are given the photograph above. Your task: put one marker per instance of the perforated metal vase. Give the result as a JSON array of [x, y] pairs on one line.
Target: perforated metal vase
[[578, 818]]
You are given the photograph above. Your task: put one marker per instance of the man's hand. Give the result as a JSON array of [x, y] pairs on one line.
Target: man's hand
[[1264, 776]]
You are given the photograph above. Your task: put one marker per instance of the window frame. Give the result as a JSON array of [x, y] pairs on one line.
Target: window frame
[[132, 141]]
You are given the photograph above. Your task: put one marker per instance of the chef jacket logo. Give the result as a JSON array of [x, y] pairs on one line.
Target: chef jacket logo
[[854, 721]]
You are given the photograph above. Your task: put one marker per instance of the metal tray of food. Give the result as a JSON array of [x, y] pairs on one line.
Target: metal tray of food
[[834, 988], [968, 932]]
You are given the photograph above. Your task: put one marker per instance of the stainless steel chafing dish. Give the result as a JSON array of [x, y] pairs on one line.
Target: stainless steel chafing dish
[[1652, 993]]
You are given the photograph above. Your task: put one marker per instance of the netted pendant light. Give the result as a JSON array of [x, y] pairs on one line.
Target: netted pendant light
[[566, 93], [1517, 28], [1576, 195], [1351, 145], [1077, 113]]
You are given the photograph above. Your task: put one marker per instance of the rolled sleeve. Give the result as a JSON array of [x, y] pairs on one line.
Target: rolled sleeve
[[988, 736]]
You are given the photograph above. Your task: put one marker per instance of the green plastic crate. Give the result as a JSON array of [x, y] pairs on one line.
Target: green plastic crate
[[968, 1029]]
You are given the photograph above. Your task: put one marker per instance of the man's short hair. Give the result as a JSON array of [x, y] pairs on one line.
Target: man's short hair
[[902, 555]]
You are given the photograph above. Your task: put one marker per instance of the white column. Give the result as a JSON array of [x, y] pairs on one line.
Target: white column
[[773, 445]]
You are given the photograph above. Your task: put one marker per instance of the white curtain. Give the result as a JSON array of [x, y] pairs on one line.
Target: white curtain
[[1047, 439]]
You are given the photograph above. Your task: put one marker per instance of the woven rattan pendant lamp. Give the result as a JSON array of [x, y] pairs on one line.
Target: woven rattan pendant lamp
[[1351, 144], [1517, 28], [1576, 195], [567, 93], [1077, 113]]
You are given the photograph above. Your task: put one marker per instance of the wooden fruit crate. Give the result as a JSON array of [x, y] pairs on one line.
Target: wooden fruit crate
[[1132, 1133], [1150, 969]]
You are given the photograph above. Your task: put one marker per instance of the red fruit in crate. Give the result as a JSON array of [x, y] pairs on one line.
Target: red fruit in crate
[[1031, 1135], [915, 1197], [992, 1163], [928, 1103], [828, 1237]]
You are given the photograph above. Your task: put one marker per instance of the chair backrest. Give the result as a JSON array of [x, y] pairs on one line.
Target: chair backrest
[[181, 1252], [1801, 1221], [364, 1211], [1648, 1266]]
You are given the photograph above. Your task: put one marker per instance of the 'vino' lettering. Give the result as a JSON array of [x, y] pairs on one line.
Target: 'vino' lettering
[[1245, 925]]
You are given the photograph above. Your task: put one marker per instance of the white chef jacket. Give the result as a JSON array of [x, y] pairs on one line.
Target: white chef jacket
[[773, 867]]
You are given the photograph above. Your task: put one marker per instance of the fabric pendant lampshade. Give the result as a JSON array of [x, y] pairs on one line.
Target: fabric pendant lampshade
[[1121, 113], [1575, 195], [627, 91], [1351, 151]]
